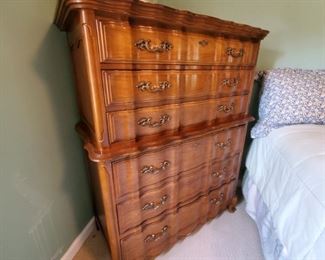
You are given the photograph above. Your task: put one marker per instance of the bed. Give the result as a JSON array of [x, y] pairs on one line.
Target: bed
[[284, 184]]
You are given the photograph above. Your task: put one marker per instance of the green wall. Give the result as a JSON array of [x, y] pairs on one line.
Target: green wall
[[297, 27], [44, 195]]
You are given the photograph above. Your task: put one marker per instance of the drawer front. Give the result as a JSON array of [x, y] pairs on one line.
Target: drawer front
[[132, 124], [229, 108], [121, 43], [228, 143], [133, 89], [220, 197], [233, 82], [195, 153], [157, 236], [224, 171], [132, 175], [134, 210], [235, 52], [145, 44]]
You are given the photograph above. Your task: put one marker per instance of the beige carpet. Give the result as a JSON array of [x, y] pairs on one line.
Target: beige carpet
[[229, 237]]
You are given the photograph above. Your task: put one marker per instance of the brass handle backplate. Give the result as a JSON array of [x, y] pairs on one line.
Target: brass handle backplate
[[203, 43], [233, 52], [147, 121], [147, 86], [150, 169], [156, 236], [226, 108], [223, 145], [231, 82], [155, 205], [145, 45], [220, 173], [217, 201]]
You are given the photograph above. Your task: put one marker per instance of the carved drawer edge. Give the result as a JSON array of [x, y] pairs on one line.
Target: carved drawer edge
[[162, 182], [176, 177], [139, 228], [132, 149], [202, 192]]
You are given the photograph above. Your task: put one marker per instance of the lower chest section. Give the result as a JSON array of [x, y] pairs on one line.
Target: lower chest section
[[162, 195]]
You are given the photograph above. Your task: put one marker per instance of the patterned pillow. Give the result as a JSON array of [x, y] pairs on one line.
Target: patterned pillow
[[290, 96]]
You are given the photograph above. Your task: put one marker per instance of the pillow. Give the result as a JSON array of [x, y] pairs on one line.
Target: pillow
[[289, 97]]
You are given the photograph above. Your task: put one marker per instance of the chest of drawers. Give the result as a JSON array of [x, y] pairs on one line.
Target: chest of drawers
[[163, 98]]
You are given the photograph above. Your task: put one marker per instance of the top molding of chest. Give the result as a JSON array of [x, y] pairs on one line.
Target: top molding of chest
[[141, 13]]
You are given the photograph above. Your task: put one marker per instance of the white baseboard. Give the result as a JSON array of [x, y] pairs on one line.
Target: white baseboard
[[80, 240]]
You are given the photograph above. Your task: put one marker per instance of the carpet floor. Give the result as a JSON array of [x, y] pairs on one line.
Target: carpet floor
[[232, 236]]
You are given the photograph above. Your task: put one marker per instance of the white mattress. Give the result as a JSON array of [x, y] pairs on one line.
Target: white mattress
[[285, 191]]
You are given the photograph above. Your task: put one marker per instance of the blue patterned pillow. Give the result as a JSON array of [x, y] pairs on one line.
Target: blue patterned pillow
[[290, 96]]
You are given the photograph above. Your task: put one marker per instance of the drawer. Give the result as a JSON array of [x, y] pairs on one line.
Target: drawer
[[136, 209], [235, 52], [157, 236], [133, 89], [232, 82], [131, 175], [228, 142], [220, 198], [229, 108], [121, 43], [224, 171], [133, 124]]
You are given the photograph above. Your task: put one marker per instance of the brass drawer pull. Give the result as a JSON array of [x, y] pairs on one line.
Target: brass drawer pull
[[223, 145], [226, 109], [147, 121], [147, 86], [154, 205], [155, 170], [217, 201], [145, 45], [203, 43], [233, 52], [231, 83], [156, 236], [220, 174]]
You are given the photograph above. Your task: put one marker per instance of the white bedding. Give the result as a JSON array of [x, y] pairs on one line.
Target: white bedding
[[285, 180]]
